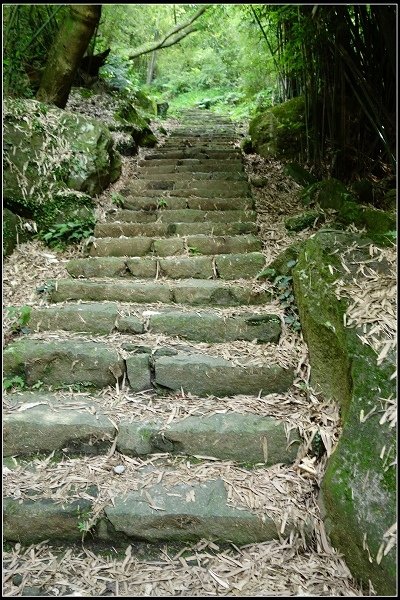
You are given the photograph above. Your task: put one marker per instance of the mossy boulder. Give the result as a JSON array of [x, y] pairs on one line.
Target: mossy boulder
[[328, 193], [145, 103], [299, 174], [136, 124], [14, 231], [304, 220], [54, 161], [359, 488], [279, 131]]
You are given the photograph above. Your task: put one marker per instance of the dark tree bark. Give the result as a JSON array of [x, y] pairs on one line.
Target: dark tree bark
[[67, 52]]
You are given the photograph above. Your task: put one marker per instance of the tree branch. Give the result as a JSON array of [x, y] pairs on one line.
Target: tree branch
[[162, 43]]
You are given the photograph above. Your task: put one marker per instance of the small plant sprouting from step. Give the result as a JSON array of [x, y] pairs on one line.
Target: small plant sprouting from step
[[13, 383], [46, 288], [193, 250], [19, 317], [83, 524], [162, 203], [117, 199], [63, 234]]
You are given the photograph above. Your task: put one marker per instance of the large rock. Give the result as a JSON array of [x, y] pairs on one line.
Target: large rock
[[279, 131], [359, 487], [14, 231], [54, 161], [136, 125]]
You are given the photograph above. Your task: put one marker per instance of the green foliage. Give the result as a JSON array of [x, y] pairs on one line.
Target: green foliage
[[283, 285], [13, 383], [73, 232], [117, 199], [19, 316]]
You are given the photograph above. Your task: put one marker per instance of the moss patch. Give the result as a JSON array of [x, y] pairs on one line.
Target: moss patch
[[359, 487]]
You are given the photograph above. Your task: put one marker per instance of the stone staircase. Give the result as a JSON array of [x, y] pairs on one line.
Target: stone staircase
[[142, 320]]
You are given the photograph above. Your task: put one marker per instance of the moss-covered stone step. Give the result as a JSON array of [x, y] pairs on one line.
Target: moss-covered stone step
[[221, 266], [95, 317], [156, 201], [188, 215], [200, 326], [183, 512], [63, 362], [219, 176], [186, 189], [172, 246], [45, 422], [210, 327], [176, 187], [194, 164], [194, 292], [195, 153], [170, 229], [193, 167], [208, 375]]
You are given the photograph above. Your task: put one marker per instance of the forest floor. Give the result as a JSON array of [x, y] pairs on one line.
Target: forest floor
[[280, 568]]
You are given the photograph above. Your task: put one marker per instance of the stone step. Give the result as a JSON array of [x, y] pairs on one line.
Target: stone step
[[194, 163], [198, 167], [194, 292], [200, 325], [222, 266], [186, 215], [81, 362], [171, 229], [213, 188], [156, 200], [134, 507], [45, 422], [192, 153], [172, 246], [212, 176]]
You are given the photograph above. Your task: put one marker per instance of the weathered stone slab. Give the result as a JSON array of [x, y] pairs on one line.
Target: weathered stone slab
[[142, 267], [237, 266], [212, 228], [51, 425], [194, 163], [199, 154], [131, 216], [39, 519], [242, 438], [138, 372], [191, 187], [130, 229], [135, 439], [136, 246], [224, 244], [207, 517], [129, 324], [198, 267], [168, 246], [209, 327], [198, 215], [208, 375], [221, 203], [154, 200], [197, 292], [190, 291], [94, 318], [219, 176], [63, 362], [97, 267]]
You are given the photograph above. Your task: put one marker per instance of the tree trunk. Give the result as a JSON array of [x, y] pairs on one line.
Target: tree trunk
[[66, 52]]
